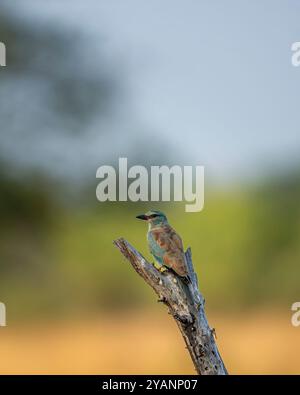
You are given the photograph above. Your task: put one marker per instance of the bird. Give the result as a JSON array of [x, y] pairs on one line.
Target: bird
[[165, 245]]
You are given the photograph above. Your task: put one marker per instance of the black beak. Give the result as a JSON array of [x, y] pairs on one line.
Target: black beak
[[142, 216]]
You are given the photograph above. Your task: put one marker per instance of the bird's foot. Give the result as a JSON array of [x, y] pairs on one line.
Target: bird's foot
[[163, 269], [159, 267]]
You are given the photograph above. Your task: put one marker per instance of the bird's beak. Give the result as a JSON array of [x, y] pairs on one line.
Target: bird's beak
[[142, 216]]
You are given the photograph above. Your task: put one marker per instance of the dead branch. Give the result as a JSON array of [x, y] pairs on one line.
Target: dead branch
[[185, 304]]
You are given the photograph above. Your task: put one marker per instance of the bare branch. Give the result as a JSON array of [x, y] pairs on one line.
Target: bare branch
[[185, 304]]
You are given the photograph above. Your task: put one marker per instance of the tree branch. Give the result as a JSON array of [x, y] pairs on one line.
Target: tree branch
[[185, 304]]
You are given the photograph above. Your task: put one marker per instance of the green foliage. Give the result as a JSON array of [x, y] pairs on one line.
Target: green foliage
[[245, 248]]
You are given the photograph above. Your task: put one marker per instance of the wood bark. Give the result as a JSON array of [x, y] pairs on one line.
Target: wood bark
[[185, 304]]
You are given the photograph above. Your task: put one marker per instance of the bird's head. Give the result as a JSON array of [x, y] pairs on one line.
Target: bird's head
[[154, 218]]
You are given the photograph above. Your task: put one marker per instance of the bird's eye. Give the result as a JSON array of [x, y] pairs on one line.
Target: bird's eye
[[153, 215]]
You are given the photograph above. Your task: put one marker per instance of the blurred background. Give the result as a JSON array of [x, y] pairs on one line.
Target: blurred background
[[195, 82]]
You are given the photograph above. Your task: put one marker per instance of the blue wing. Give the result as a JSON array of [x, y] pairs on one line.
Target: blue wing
[[155, 249]]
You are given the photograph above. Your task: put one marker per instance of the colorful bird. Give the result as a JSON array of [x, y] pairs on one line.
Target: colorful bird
[[165, 245]]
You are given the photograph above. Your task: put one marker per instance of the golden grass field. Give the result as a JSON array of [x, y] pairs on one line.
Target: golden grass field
[[148, 342]]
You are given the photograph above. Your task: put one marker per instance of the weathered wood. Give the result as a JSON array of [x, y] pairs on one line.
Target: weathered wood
[[185, 304]]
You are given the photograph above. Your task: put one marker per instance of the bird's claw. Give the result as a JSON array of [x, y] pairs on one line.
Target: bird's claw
[[160, 268], [163, 269]]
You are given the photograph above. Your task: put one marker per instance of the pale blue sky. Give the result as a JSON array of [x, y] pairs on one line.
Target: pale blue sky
[[215, 77]]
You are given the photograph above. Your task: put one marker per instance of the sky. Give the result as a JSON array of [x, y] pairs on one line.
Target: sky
[[213, 78]]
